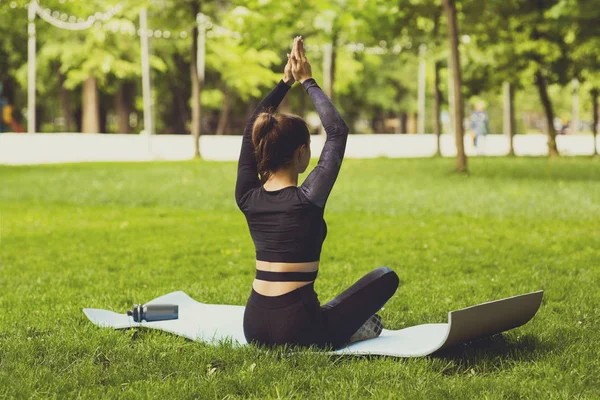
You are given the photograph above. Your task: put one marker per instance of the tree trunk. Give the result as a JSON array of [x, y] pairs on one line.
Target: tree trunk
[[377, 121], [224, 112], [40, 112], [180, 115], [540, 82], [122, 114], [422, 87], [78, 118], [63, 95], [329, 56], [594, 93], [123, 99], [182, 109], [461, 158], [103, 113], [403, 122], [509, 116], [437, 93], [196, 85], [90, 118], [412, 123], [575, 99], [333, 58], [437, 100]]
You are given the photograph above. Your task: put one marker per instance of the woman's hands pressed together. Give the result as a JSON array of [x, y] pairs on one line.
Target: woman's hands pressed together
[[301, 69], [297, 68]]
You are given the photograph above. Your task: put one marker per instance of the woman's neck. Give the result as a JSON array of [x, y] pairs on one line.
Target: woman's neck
[[281, 179]]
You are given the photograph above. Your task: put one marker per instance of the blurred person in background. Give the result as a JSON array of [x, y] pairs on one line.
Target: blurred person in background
[[8, 116], [479, 124]]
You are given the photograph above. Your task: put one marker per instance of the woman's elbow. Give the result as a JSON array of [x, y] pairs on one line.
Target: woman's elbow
[[345, 129], [339, 129]]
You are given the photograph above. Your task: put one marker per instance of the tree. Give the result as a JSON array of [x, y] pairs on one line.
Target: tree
[[586, 57], [13, 49], [197, 82], [98, 60], [525, 42], [541, 38], [437, 93], [491, 60], [461, 158], [595, 93]]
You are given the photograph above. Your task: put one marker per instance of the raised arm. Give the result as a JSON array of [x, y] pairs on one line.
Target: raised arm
[[247, 176], [318, 184]]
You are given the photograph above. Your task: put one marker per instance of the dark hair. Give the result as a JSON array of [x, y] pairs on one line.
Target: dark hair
[[275, 138]]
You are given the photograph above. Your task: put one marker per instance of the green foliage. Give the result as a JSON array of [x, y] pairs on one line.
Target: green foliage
[[509, 40], [212, 98], [245, 70], [586, 40]]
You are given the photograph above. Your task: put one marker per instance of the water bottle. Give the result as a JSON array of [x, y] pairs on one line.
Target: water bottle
[[154, 312]]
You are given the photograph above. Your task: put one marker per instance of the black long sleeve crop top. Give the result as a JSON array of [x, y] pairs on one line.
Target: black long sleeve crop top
[[287, 225]]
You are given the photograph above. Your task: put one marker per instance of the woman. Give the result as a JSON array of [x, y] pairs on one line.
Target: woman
[[287, 226]]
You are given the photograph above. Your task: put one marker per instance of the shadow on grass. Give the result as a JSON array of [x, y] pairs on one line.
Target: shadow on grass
[[493, 351], [484, 355]]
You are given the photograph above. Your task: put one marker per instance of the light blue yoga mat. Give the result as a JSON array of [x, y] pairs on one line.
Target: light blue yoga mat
[[213, 322]]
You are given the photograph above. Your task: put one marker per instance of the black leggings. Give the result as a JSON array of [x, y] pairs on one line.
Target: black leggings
[[297, 317]]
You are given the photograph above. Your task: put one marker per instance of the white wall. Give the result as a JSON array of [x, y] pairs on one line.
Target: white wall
[[18, 149]]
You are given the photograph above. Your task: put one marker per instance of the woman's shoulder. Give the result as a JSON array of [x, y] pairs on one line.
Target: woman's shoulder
[[281, 200]]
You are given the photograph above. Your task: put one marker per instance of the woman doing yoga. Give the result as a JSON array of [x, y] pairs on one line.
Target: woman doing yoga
[[287, 226]]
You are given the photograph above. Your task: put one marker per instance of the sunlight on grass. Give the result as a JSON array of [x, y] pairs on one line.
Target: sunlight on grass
[[110, 235]]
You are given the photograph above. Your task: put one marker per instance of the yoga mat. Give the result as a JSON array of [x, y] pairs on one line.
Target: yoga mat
[[214, 322]]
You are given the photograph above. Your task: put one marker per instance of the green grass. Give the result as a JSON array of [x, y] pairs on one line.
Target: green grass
[[110, 235]]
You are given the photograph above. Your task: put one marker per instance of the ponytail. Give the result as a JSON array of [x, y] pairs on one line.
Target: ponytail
[[263, 127], [275, 138]]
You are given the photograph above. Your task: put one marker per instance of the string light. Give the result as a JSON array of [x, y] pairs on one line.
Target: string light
[[65, 21], [70, 22], [73, 23]]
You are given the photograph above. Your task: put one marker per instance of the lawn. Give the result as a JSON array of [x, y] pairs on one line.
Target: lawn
[[110, 235]]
